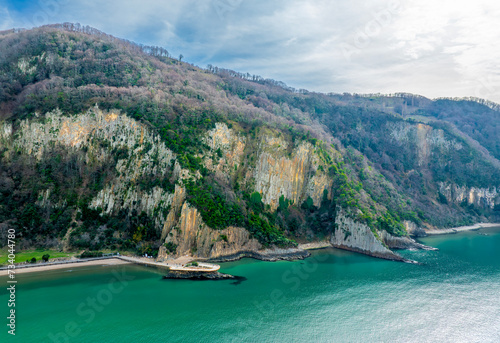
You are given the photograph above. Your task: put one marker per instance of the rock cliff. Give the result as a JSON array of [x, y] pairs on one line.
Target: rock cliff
[[425, 139], [296, 177], [193, 237], [481, 197], [354, 236]]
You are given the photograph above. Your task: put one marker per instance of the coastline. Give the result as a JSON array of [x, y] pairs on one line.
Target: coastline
[[271, 255], [41, 267], [477, 226], [265, 255]]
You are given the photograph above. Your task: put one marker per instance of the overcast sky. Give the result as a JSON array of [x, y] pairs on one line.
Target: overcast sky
[[430, 47]]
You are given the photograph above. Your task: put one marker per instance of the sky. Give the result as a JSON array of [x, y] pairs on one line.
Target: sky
[[435, 48]]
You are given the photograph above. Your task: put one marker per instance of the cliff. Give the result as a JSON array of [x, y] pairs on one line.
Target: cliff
[[354, 236], [480, 197], [280, 172], [192, 237], [151, 155], [296, 177]]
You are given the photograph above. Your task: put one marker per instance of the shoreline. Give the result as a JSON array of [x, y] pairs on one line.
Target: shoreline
[[41, 268], [177, 265], [453, 230], [269, 255], [298, 253]]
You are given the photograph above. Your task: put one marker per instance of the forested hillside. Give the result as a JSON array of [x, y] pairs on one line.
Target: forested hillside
[[106, 144]]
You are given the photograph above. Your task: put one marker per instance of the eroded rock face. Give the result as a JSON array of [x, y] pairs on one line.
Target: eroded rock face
[[404, 242], [354, 236], [172, 217], [424, 138], [193, 237], [296, 177], [99, 134], [413, 229], [227, 148], [481, 197]]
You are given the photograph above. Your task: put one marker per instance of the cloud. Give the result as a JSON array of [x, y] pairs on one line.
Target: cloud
[[6, 21], [433, 48]]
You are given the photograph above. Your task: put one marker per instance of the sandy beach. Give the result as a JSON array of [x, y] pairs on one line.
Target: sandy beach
[[461, 228], [41, 267]]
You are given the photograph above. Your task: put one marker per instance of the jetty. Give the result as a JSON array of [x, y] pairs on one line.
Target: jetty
[[174, 266], [181, 265]]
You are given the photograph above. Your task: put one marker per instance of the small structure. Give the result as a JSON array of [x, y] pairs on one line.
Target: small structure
[[201, 267]]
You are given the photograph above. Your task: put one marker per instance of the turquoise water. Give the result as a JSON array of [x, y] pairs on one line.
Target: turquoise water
[[334, 296]]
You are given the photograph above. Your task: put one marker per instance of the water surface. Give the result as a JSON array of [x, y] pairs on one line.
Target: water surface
[[334, 296]]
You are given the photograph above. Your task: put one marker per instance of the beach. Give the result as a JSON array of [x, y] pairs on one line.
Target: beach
[[461, 228], [42, 267]]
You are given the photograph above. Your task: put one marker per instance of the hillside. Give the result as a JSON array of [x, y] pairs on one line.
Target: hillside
[[106, 144]]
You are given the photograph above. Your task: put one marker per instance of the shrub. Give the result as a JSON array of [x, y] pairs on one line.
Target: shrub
[[88, 254], [171, 247]]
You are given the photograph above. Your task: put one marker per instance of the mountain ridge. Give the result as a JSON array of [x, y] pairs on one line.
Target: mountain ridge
[[177, 159]]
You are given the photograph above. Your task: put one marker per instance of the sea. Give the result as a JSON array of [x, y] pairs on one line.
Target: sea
[[452, 295]]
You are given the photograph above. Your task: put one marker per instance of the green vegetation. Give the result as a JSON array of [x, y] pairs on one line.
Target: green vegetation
[[376, 165], [22, 256], [215, 211], [171, 247], [89, 254], [266, 233]]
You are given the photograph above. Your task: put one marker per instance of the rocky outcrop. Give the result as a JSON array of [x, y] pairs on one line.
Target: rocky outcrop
[[480, 197], [270, 255], [358, 237], [295, 176], [413, 229], [404, 242], [175, 207], [139, 155], [355, 236], [193, 237]]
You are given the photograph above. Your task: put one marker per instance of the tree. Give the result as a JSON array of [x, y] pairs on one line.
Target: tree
[[45, 257], [256, 202], [308, 205], [33, 260], [181, 57]]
